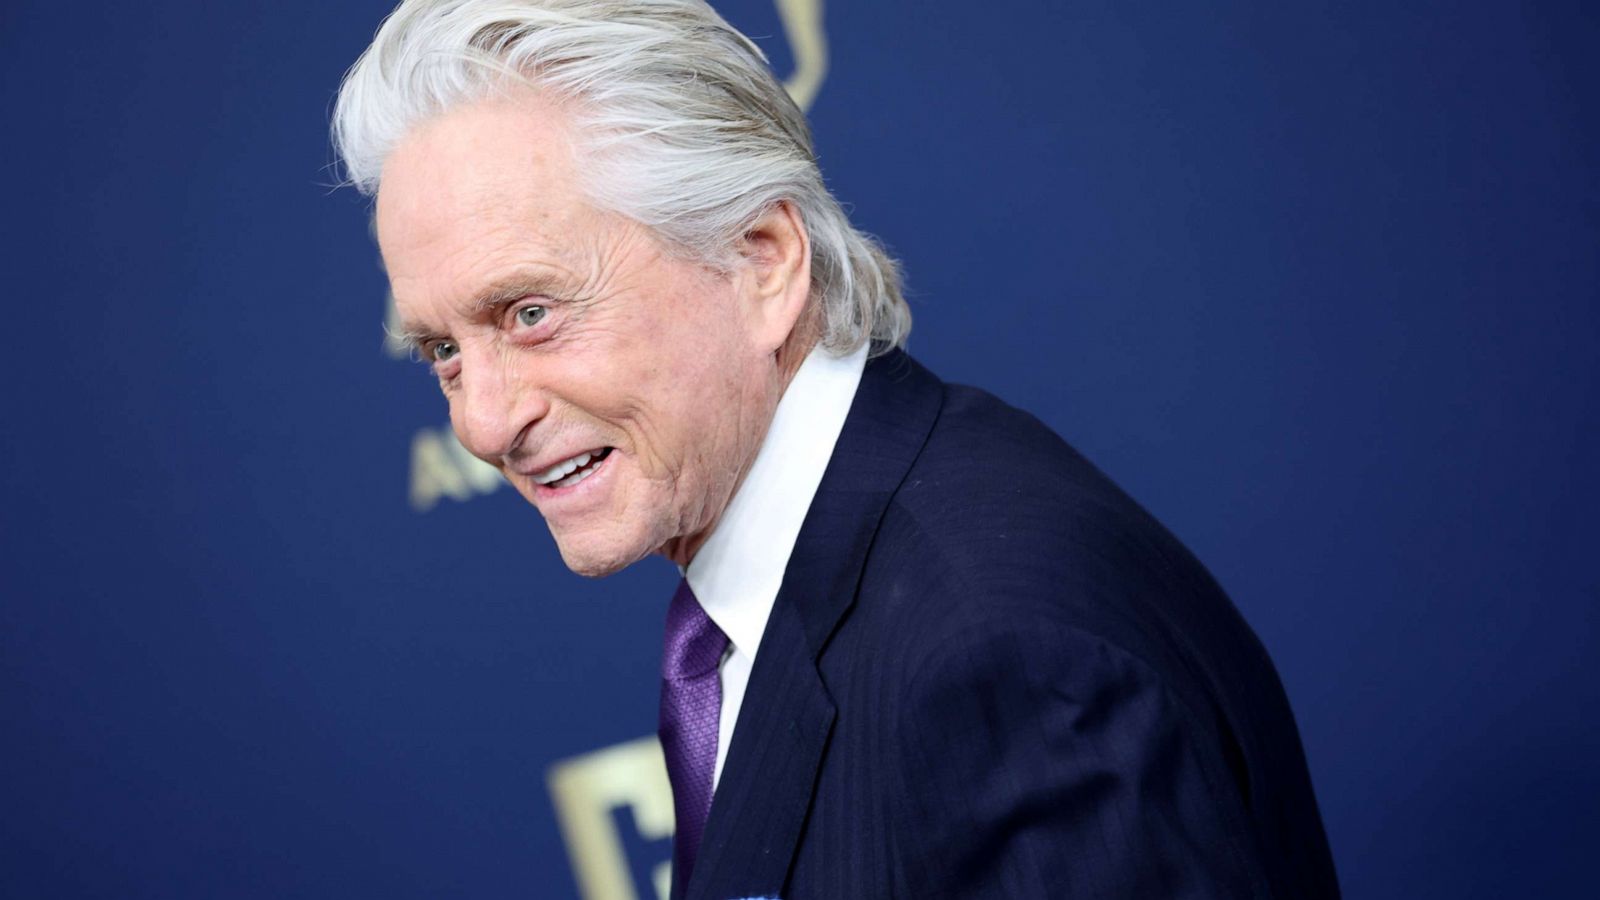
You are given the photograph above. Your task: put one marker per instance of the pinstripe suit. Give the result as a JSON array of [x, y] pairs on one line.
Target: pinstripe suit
[[989, 673]]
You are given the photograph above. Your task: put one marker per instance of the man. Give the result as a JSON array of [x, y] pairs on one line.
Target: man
[[922, 647]]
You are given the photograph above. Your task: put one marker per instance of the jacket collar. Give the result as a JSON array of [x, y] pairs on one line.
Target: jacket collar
[[765, 792]]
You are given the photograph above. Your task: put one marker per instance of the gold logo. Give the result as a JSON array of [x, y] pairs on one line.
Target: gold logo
[[808, 42], [612, 801]]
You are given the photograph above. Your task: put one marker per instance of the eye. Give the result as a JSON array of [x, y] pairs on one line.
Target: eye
[[529, 316], [440, 351]]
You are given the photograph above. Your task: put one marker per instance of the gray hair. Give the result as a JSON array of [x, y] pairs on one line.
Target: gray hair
[[686, 129]]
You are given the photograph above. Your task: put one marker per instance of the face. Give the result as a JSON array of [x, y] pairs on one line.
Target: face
[[623, 391]]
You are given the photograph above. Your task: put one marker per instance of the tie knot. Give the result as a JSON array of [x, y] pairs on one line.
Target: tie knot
[[694, 643]]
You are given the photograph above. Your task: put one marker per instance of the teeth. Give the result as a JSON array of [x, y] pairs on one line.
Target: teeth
[[569, 472], [571, 480], [563, 469]]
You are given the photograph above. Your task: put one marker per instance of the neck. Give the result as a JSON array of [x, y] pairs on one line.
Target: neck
[[786, 363]]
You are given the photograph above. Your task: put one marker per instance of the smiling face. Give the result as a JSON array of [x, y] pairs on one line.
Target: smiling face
[[622, 390]]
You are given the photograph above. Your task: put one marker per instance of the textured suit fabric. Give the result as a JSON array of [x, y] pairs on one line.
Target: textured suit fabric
[[989, 673]]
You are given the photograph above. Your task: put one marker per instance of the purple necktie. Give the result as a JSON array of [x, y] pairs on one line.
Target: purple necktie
[[691, 702]]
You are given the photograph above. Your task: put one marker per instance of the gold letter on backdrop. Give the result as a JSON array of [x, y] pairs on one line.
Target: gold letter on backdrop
[[802, 25], [586, 789], [441, 467]]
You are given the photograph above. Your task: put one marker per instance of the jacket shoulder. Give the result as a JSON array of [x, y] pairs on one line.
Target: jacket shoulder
[[1002, 506], [1008, 569]]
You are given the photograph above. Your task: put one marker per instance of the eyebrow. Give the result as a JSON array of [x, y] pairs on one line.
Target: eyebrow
[[497, 293], [514, 287]]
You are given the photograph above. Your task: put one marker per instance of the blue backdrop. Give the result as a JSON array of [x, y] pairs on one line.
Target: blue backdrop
[[1317, 283]]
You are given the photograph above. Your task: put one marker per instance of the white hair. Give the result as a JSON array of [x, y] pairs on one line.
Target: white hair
[[685, 128]]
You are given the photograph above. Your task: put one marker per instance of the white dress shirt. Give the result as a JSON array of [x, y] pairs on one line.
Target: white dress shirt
[[737, 572]]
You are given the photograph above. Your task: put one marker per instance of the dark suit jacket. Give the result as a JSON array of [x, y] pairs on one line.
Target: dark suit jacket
[[989, 673]]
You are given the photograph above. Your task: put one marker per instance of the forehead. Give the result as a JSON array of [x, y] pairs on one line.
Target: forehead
[[485, 185]]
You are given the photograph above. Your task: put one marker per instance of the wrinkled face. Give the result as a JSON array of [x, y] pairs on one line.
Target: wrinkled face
[[621, 390]]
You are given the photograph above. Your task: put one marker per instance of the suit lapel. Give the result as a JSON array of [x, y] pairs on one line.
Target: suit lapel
[[761, 802]]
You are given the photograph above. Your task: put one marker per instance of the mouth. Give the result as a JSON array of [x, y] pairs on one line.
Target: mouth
[[572, 471]]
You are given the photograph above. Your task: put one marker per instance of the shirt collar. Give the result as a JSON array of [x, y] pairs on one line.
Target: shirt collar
[[737, 572]]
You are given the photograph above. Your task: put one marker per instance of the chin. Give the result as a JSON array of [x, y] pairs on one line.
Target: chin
[[597, 558]]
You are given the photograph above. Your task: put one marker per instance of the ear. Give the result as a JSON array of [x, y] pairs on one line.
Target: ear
[[776, 280]]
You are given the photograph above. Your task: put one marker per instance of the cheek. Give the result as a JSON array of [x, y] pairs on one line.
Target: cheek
[[669, 376], [672, 375], [705, 362]]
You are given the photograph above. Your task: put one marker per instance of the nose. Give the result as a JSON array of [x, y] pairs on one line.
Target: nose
[[494, 404]]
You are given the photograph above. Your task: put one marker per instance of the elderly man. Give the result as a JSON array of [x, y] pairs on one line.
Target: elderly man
[[922, 647]]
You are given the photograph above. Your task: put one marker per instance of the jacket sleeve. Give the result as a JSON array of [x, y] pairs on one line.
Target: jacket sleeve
[[1043, 761]]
